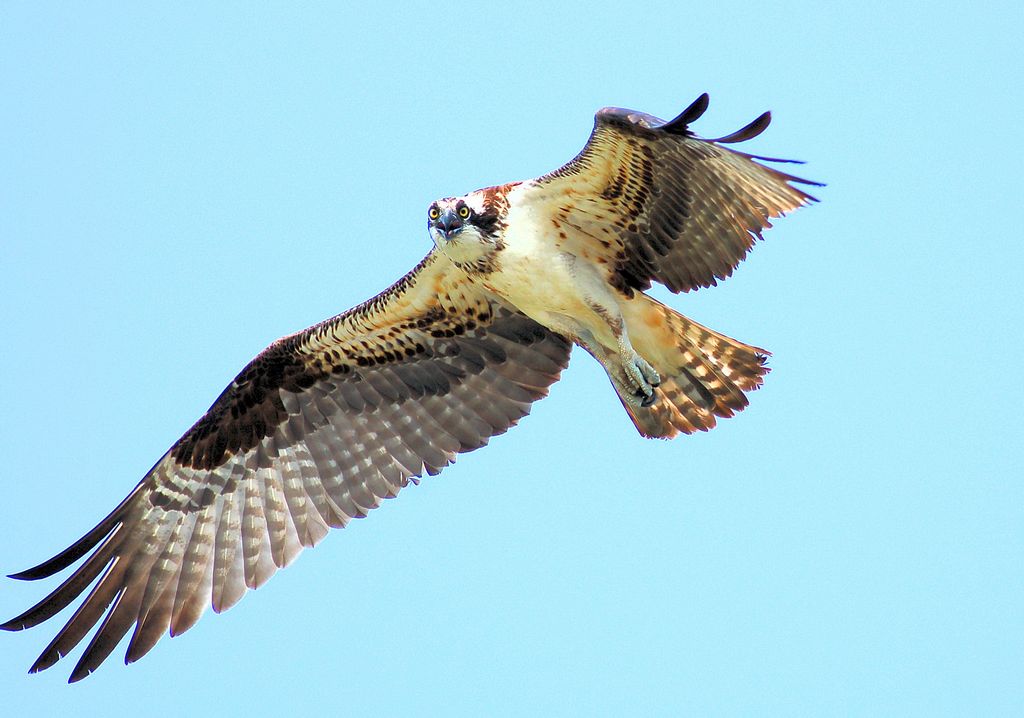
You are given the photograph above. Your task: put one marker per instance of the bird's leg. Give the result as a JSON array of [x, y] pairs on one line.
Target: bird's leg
[[640, 377], [632, 374]]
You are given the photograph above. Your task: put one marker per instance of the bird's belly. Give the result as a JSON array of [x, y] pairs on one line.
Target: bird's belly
[[543, 288], [535, 285]]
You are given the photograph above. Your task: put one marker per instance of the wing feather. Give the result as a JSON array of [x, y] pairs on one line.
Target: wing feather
[[651, 201], [195, 584], [155, 614], [320, 428]]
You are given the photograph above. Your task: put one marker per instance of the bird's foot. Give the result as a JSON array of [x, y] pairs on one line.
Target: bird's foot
[[641, 376]]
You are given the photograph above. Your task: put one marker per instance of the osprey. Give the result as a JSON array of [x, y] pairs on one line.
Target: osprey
[[325, 423]]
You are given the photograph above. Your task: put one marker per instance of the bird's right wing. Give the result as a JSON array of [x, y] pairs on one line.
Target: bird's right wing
[[316, 430]]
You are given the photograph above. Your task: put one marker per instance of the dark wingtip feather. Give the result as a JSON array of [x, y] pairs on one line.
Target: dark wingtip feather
[[47, 568], [799, 180], [83, 545], [18, 623], [12, 625], [47, 659], [763, 158], [785, 176], [749, 132], [690, 114], [64, 594], [79, 673]]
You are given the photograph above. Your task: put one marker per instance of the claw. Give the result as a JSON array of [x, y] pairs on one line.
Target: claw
[[642, 376]]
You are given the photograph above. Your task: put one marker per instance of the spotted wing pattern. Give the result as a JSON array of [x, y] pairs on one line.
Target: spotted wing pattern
[[315, 431], [651, 201]]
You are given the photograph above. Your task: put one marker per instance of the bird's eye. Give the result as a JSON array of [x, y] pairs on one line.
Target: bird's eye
[[464, 212], [434, 212]]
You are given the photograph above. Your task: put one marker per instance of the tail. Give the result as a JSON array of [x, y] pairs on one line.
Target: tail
[[704, 374]]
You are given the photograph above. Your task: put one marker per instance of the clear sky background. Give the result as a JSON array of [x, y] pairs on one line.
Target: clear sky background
[[181, 185]]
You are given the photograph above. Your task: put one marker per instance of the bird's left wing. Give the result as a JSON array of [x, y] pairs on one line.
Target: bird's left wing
[[316, 430], [650, 201]]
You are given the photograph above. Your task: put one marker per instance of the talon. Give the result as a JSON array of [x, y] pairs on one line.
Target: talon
[[642, 377], [650, 376]]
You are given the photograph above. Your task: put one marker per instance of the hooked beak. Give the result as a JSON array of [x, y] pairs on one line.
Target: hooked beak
[[449, 223]]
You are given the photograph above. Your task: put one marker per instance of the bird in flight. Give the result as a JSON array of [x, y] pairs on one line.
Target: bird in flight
[[325, 423]]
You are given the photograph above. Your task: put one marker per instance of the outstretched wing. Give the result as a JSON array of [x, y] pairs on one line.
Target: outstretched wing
[[313, 432], [651, 201]]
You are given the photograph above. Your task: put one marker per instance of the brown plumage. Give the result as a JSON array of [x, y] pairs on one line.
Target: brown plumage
[[324, 424], [658, 204]]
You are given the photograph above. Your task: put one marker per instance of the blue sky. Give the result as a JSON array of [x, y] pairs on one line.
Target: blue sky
[[181, 185]]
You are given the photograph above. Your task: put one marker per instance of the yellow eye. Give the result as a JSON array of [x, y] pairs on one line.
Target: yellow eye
[[464, 212], [434, 212]]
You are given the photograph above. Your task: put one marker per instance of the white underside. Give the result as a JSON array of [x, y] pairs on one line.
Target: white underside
[[552, 287]]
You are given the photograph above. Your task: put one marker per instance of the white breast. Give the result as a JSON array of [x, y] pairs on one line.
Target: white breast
[[532, 273]]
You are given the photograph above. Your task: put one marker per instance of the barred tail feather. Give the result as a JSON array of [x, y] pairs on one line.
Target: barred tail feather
[[704, 374]]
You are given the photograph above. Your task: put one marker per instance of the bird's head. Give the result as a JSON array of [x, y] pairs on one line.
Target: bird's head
[[465, 228]]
